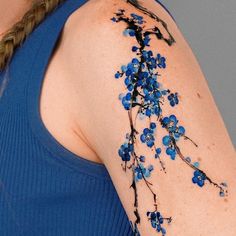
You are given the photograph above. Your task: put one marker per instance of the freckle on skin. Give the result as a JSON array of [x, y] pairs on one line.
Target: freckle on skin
[[198, 94], [226, 200], [199, 159]]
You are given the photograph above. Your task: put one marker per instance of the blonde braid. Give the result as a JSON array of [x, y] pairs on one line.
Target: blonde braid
[[16, 35]]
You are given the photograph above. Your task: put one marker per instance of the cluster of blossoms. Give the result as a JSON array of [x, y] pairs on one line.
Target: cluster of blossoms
[[145, 91], [140, 171], [125, 151], [148, 135], [157, 221], [173, 99], [175, 132]]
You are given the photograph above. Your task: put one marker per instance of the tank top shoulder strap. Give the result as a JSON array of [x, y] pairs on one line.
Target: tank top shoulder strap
[[49, 31]]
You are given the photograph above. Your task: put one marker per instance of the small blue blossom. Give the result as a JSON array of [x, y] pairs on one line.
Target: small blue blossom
[[152, 125], [148, 112], [166, 140], [147, 137], [222, 191], [164, 91], [222, 194], [113, 19], [125, 150], [121, 95], [123, 68], [196, 164], [117, 75], [146, 40], [138, 18], [129, 32], [161, 61], [157, 110], [199, 178], [170, 123], [126, 102], [141, 171], [142, 158], [171, 152], [173, 99], [134, 48], [179, 131], [156, 221]]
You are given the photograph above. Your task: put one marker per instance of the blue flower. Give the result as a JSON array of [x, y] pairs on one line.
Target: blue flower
[[171, 152], [147, 137], [142, 158], [117, 75], [153, 125], [136, 17], [166, 140], [113, 19], [134, 48], [196, 164], [125, 150], [129, 32], [146, 40], [156, 221], [126, 101], [128, 83], [199, 178], [148, 112], [141, 171], [161, 61], [179, 131], [123, 68], [173, 99], [170, 123]]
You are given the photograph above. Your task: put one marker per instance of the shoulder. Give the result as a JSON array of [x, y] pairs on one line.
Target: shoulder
[[91, 26], [100, 42], [93, 40]]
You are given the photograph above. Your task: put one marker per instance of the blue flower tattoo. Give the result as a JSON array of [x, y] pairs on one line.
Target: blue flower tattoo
[[144, 90]]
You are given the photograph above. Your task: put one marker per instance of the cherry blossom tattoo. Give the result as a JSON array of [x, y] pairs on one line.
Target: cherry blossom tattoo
[[144, 91]]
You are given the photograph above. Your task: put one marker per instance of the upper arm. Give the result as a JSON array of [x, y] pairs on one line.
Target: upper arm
[[128, 119]]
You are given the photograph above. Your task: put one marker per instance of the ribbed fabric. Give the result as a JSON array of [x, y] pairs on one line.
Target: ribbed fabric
[[45, 189]]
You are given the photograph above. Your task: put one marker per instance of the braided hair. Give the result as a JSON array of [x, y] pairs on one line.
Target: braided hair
[[16, 35]]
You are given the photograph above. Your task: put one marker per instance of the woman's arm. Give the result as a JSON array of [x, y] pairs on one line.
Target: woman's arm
[[183, 159]]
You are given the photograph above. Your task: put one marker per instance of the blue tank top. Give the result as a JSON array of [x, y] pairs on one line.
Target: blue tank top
[[45, 189]]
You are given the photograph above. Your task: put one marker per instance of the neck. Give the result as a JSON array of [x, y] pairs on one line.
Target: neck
[[12, 11]]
